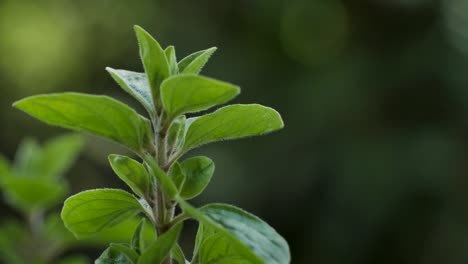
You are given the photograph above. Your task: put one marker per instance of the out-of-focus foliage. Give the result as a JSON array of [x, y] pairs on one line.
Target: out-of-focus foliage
[[33, 185], [372, 165]]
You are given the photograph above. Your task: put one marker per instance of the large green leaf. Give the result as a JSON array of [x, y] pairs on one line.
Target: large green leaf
[[132, 172], [137, 85], [32, 193], [230, 122], [252, 238], [194, 62], [4, 167], [154, 60], [188, 93], [100, 115], [117, 254], [90, 212], [196, 174], [160, 248], [216, 247]]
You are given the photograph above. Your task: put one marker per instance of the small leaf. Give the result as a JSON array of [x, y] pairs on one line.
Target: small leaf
[[194, 62], [197, 173], [231, 122], [100, 115], [132, 173], [160, 248], [163, 179], [27, 158], [178, 254], [90, 212], [32, 193], [117, 254], [171, 60], [137, 85], [188, 93], [252, 238], [154, 60], [176, 134], [59, 153], [138, 240], [177, 175]]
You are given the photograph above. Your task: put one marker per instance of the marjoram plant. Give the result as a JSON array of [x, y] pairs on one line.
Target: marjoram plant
[[168, 90]]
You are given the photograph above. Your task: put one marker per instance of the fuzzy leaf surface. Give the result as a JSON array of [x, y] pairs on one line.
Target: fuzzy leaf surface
[[194, 62], [99, 115], [188, 93], [252, 238], [231, 122], [154, 60], [90, 212], [157, 252], [132, 172], [137, 85]]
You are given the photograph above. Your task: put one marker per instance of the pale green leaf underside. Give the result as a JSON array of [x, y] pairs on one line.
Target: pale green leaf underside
[[137, 85], [231, 122], [99, 115], [90, 212], [188, 93], [154, 60], [194, 62], [253, 239], [160, 248], [132, 172]]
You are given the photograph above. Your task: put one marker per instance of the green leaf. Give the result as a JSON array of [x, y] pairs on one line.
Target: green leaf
[[160, 248], [117, 254], [230, 122], [197, 173], [178, 254], [132, 173], [176, 134], [194, 62], [216, 247], [252, 238], [171, 60], [138, 242], [137, 85], [154, 60], [188, 93], [33, 193], [59, 153], [27, 158], [100, 115], [177, 175], [163, 179], [90, 212]]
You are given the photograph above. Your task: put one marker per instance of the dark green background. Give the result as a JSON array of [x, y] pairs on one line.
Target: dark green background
[[372, 164]]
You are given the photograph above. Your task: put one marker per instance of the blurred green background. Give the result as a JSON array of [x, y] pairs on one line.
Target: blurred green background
[[372, 165]]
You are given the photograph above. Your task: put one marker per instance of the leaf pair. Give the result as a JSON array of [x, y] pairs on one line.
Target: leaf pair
[[35, 179]]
